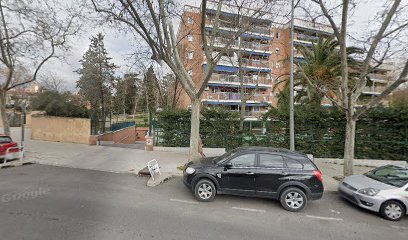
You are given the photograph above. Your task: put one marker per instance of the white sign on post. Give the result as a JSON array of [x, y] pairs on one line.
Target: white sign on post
[[153, 167]]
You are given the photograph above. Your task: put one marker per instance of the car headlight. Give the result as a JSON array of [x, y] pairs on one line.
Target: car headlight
[[190, 170], [369, 191]]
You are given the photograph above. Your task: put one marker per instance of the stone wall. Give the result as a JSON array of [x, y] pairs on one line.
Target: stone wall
[[61, 129]]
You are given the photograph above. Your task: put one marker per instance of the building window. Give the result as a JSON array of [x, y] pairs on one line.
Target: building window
[[277, 35], [190, 20], [277, 64], [190, 55], [256, 109], [190, 37], [271, 64], [277, 50], [190, 72]]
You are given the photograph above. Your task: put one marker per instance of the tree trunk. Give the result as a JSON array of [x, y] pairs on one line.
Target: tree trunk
[[135, 107], [195, 129], [173, 105], [242, 115], [6, 125], [349, 144]]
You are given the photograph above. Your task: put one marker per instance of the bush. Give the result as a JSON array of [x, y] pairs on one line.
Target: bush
[[381, 134], [60, 104]]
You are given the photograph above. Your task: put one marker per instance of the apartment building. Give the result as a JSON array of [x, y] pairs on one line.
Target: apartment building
[[253, 58], [259, 58]]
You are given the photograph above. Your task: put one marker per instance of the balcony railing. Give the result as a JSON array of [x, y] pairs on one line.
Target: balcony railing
[[255, 45], [244, 44], [233, 61], [235, 96], [374, 89], [305, 37], [378, 77], [255, 63], [233, 27], [236, 79]]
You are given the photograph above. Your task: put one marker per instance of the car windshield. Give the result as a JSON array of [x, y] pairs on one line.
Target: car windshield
[[5, 139], [392, 175], [225, 156]]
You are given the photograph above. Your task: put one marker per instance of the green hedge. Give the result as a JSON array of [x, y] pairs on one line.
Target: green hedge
[[381, 134]]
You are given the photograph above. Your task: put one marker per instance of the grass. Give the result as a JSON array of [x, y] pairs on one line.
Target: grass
[[181, 168], [338, 178]]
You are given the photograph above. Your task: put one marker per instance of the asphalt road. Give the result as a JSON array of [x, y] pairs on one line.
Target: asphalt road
[[44, 202]]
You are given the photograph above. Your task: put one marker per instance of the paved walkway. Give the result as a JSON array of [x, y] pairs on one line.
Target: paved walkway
[[128, 160]]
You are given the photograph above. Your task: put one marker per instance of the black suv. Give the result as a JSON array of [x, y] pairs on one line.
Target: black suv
[[264, 172]]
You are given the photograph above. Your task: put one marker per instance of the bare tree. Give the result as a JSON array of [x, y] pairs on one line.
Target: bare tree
[[50, 81], [391, 25], [151, 20], [31, 33]]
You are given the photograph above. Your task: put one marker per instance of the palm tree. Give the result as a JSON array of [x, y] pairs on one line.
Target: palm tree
[[320, 69]]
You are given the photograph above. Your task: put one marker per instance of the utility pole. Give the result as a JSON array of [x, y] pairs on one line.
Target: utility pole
[[23, 122], [292, 101]]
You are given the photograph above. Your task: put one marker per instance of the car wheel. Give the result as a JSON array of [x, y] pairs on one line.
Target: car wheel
[[392, 210], [204, 190], [293, 199]]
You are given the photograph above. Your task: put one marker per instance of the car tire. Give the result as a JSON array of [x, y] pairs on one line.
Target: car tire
[[392, 210], [204, 190], [293, 199]]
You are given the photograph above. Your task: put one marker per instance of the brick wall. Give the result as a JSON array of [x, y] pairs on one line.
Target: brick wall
[[128, 135]]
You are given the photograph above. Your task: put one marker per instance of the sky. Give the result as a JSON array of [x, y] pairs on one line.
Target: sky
[[119, 46]]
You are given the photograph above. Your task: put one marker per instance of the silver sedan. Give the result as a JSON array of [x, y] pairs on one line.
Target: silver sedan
[[383, 190]]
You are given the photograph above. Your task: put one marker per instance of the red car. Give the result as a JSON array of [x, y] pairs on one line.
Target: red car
[[5, 143]]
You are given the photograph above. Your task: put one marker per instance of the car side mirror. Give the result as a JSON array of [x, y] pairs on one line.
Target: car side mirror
[[228, 165]]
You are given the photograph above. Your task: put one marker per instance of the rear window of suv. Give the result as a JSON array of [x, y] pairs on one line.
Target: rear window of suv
[[299, 162]]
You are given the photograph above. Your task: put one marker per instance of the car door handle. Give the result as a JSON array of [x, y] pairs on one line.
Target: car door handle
[[284, 173], [250, 173]]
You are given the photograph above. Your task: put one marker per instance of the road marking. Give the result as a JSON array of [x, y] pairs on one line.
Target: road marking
[[334, 211], [182, 201], [324, 218], [249, 209]]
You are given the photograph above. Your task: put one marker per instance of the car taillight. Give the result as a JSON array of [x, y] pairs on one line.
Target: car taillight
[[318, 175]]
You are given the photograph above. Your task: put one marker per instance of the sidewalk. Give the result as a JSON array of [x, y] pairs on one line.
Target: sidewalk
[[128, 160], [331, 170]]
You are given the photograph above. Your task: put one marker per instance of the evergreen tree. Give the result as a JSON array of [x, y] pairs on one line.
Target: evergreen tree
[[97, 80], [125, 95]]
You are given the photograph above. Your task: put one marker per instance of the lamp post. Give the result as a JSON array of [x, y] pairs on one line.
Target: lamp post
[[292, 101]]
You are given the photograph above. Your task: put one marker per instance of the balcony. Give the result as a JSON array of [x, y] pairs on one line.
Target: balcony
[[374, 90], [310, 26], [233, 28], [305, 37], [246, 79], [381, 78], [245, 45], [255, 46], [236, 97], [255, 63]]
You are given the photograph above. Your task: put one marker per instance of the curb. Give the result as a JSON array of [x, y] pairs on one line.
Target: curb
[[159, 180]]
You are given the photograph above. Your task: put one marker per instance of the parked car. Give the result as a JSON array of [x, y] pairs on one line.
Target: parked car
[[383, 190], [5, 143], [272, 173]]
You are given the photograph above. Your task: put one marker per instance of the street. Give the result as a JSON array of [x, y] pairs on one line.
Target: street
[[47, 202]]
